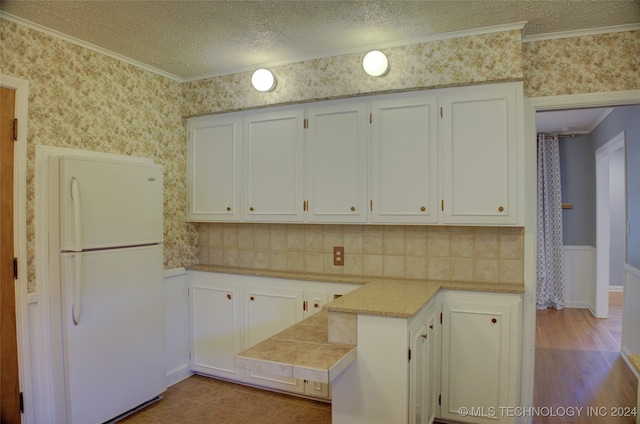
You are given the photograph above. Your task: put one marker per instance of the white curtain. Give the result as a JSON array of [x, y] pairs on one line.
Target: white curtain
[[550, 283]]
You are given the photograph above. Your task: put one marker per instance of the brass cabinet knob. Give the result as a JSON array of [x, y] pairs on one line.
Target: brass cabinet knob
[[424, 336], [228, 295], [315, 305], [423, 209], [493, 320], [228, 208], [251, 208], [252, 298], [353, 208], [500, 209]]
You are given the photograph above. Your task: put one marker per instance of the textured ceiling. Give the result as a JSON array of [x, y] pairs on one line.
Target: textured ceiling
[[191, 39]]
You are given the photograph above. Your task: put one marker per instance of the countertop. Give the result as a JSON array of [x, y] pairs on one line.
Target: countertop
[[395, 297]]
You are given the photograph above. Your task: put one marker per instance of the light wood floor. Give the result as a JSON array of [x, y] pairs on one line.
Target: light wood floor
[[578, 364]]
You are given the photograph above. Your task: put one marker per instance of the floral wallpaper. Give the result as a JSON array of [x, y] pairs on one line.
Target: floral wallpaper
[[85, 100], [466, 60], [578, 65]]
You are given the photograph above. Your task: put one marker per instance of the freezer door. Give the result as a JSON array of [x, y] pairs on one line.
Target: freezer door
[[118, 202], [114, 357]]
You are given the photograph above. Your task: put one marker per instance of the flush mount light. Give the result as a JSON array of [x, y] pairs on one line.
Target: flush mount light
[[375, 63], [263, 80]]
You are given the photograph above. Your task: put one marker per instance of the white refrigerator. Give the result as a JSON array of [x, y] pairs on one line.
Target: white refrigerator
[[106, 286]]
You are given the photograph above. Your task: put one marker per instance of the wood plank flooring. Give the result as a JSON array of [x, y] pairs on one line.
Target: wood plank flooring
[[578, 365]]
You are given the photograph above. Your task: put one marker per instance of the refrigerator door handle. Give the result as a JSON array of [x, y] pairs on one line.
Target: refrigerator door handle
[[77, 221]]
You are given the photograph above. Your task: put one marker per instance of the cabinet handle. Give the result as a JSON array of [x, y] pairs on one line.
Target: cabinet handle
[[423, 209], [228, 208], [252, 298], [228, 295], [493, 320], [251, 208], [500, 209], [315, 305], [353, 208], [424, 336]]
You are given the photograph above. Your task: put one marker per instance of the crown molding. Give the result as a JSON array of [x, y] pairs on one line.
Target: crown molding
[[581, 32]]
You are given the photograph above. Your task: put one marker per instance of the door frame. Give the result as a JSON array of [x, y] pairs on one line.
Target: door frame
[[531, 106], [21, 88], [600, 292]]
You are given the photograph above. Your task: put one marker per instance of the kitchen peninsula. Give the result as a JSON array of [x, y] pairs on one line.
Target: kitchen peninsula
[[362, 340]]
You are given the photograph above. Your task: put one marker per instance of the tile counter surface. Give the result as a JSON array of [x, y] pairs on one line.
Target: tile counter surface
[[301, 351]]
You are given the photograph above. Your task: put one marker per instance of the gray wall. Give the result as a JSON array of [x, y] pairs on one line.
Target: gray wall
[[578, 180], [626, 118]]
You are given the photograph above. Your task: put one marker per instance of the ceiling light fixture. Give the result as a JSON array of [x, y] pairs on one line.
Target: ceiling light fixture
[[263, 80], [375, 63]]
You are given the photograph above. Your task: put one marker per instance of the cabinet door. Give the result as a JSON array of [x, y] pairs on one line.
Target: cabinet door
[[405, 160], [267, 311], [479, 351], [424, 382], [214, 148], [337, 162], [274, 155], [481, 135], [216, 329]]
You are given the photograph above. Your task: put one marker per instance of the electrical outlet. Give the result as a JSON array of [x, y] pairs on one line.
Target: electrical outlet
[[338, 255]]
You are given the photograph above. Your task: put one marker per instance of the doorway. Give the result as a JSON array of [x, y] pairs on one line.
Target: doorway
[[611, 221], [10, 408]]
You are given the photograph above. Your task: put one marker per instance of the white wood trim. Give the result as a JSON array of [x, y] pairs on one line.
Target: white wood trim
[[532, 105], [581, 32], [21, 88], [177, 325]]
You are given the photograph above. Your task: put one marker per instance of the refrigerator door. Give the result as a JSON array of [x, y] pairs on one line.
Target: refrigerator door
[[117, 203], [114, 357]]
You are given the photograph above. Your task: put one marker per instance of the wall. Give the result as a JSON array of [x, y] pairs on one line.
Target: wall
[[578, 180], [85, 100], [626, 118], [458, 61], [437, 252]]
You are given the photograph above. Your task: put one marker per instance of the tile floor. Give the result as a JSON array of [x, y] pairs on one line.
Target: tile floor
[[200, 400]]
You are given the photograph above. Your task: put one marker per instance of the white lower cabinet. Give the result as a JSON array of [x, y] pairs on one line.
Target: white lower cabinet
[[424, 379], [216, 325], [480, 351], [233, 312]]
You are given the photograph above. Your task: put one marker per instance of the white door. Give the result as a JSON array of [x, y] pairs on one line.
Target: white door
[[337, 162], [119, 202], [480, 141], [214, 163], [273, 172], [405, 160]]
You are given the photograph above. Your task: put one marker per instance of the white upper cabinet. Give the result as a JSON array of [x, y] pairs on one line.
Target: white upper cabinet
[[404, 171], [481, 133], [273, 172], [214, 160], [452, 156], [336, 166]]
